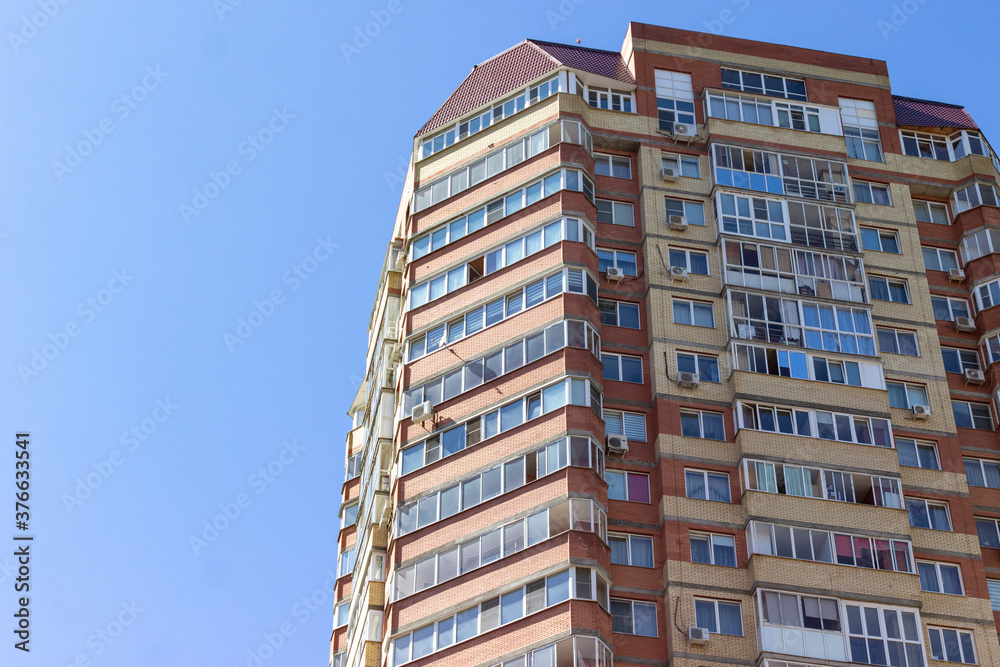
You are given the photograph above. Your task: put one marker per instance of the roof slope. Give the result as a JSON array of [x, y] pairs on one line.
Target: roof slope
[[514, 68], [911, 111]]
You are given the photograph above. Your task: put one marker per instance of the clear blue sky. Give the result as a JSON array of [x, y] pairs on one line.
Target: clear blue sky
[[207, 80]]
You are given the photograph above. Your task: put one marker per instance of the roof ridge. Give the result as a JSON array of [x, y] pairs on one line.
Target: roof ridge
[[919, 99], [545, 53], [572, 46]]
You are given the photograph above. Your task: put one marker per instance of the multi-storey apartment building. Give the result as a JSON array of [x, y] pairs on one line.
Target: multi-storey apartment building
[[682, 355]]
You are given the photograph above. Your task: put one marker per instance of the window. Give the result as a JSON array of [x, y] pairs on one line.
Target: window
[[801, 625], [959, 361], [871, 193], [740, 107], [635, 550], [952, 645], [630, 486], [346, 562], [823, 546], [615, 212], [685, 165], [981, 243], [986, 529], [630, 424], [797, 117], [764, 84], [704, 485], [917, 454], [977, 194], [861, 129], [617, 258], [903, 395], [354, 466], [720, 617], [940, 578], [674, 99], [574, 281], [928, 514], [694, 261], [991, 348], [981, 472], [706, 366], [931, 146], [700, 424], [612, 165], [817, 326], [878, 635], [694, 212], [938, 259], [987, 295], [820, 483], [931, 211], [802, 366], [815, 424], [474, 373], [994, 587], [713, 549], [762, 171], [887, 289], [615, 100], [619, 313], [350, 515], [949, 309], [972, 415], [633, 618], [622, 368], [880, 240], [897, 341], [791, 271], [694, 313], [340, 614]]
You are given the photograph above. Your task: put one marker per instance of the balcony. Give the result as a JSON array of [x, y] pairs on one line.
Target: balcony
[[823, 453], [831, 514]]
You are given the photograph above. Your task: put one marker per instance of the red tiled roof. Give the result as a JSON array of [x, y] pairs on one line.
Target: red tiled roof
[[514, 68], [911, 111]]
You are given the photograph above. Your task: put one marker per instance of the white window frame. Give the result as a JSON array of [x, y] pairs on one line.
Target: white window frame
[[974, 195], [972, 417], [993, 585], [625, 477], [606, 356], [895, 333], [715, 605], [927, 505], [961, 355], [935, 144], [962, 304], [870, 188], [919, 445], [889, 283], [687, 260], [928, 207], [938, 252], [764, 90], [937, 565], [710, 537], [613, 162], [944, 657], [616, 206], [675, 89], [624, 253], [705, 474], [697, 364], [860, 115], [679, 162], [632, 604], [701, 423], [882, 234], [608, 99], [627, 423], [628, 537], [907, 386], [618, 313], [689, 304], [338, 610], [693, 212]]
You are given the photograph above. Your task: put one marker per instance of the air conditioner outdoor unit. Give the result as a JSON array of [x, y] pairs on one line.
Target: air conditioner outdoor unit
[[422, 412], [688, 380], [698, 635], [964, 324], [670, 174], [617, 444], [679, 274], [956, 275], [974, 376], [395, 354], [615, 275], [921, 411], [678, 222], [684, 131]]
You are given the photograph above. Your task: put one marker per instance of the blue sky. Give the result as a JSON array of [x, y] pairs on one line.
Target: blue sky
[[133, 303]]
